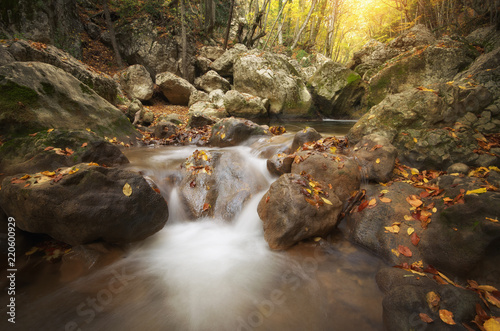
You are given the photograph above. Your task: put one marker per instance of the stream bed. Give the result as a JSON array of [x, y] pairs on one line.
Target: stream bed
[[207, 274]]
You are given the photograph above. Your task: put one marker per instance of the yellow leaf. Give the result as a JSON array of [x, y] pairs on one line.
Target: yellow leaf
[[477, 191], [395, 252], [72, 171], [408, 218], [25, 177], [414, 171], [316, 239], [88, 129], [371, 117], [333, 150], [487, 288], [410, 230], [326, 201], [31, 251], [491, 299], [222, 136], [93, 164], [494, 168], [393, 229], [446, 316], [384, 191], [433, 300], [450, 83], [377, 161], [50, 130], [446, 278], [415, 140], [434, 210], [492, 325], [491, 220], [372, 202], [127, 189], [48, 173], [462, 87], [385, 200]]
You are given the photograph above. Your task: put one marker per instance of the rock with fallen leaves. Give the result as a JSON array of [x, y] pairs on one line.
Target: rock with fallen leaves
[[296, 208], [234, 131], [37, 96], [165, 129], [337, 172], [55, 149], [217, 184], [136, 82], [212, 81], [85, 203], [176, 89], [304, 136], [280, 164], [377, 157]]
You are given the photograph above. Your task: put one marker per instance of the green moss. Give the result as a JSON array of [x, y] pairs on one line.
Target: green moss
[[353, 77], [11, 94], [85, 89], [48, 88]]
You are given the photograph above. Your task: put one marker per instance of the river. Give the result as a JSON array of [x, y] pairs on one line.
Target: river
[[206, 274]]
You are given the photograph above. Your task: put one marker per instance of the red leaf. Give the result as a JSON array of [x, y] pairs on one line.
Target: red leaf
[[363, 205], [405, 251], [192, 184], [57, 178], [425, 318], [415, 239]]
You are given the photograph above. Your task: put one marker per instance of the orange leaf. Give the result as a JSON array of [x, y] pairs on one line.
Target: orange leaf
[[206, 206], [386, 200], [446, 316], [433, 300], [363, 205], [84, 144], [48, 148], [425, 318], [33, 134], [415, 239], [372, 202], [405, 251], [414, 201]]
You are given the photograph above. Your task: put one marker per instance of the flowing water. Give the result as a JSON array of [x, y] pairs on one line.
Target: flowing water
[[204, 275]]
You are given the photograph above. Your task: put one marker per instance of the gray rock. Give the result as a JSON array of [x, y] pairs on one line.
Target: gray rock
[[458, 168], [244, 105], [217, 98], [211, 52], [377, 157], [224, 64], [206, 108], [212, 81], [137, 82], [234, 131], [197, 96], [304, 136]]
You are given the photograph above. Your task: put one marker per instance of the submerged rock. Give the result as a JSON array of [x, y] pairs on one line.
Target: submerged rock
[[85, 203]]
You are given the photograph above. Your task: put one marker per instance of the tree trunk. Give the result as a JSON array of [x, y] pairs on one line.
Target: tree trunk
[[274, 24], [111, 29], [209, 17], [184, 40], [228, 28], [304, 25]]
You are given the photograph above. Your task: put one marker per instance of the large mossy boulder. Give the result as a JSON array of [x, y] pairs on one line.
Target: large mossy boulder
[[102, 84], [37, 96], [337, 91], [85, 203], [272, 77]]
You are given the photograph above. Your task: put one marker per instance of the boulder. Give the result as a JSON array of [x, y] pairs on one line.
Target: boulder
[[280, 164], [377, 157], [218, 183], [212, 81], [209, 109], [211, 52], [137, 82], [291, 214], [47, 151], [271, 77], [5, 56], [304, 136], [487, 37], [85, 204], [197, 96], [217, 98], [164, 130], [420, 67], [202, 65], [244, 105], [141, 43], [198, 121], [101, 83], [37, 21], [337, 172], [224, 64], [337, 91], [37, 96], [176, 89], [234, 131], [135, 111]]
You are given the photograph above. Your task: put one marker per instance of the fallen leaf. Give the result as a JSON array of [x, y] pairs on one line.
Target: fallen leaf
[[33, 134], [414, 200], [393, 228], [492, 299], [57, 178], [222, 136], [48, 173], [425, 318], [408, 218], [206, 207], [415, 140], [386, 200], [446, 316], [492, 325], [410, 230], [446, 278], [477, 191], [25, 177], [491, 220], [395, 252], [50, 130], [93, 164], [48, 148], [415, 239], [371, 116], [433, 300], [127, 189], [377, 161], [333, 150], [326, 201], [372, 202], [405, 251], [72, 171], [363, 205], [84, 144], [384, 191], [89, 130], [31, 251]]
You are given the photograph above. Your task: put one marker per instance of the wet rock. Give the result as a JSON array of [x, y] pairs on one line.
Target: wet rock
[[176, 89], [101, 83], [212, 81], [336, 171], [217, 184], [367, 227], [337, 91], [87, 205], [244, 105], [289, 218], [234, 131], [304, 136], [37, 96], [224, 64], [137, 82], [40, 153], [280, 164], [271, 77], [377, 156]]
